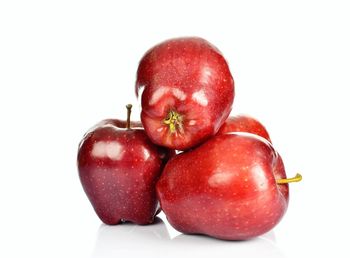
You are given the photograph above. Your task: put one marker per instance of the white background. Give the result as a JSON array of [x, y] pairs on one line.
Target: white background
[[65, 65]]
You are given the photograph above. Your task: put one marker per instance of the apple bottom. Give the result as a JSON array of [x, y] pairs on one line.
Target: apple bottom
[[227, 221], [114, 203], [180, 139]]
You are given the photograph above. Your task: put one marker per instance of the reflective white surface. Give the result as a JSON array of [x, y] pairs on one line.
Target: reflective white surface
[[136, 241], [66, 65]]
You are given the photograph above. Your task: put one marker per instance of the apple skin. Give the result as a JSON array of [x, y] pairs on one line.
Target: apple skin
[[244, 123], [118, 170], [189, 80], [225, 188], [248, 124]]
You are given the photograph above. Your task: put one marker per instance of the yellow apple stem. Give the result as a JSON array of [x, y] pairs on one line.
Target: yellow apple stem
[[297, 178], [128, 107]]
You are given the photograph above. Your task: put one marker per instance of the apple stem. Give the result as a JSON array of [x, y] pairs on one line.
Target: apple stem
[[128, 123], [296, 178]]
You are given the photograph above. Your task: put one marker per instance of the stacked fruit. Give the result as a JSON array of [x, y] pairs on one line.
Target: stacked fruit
[[228, 182]]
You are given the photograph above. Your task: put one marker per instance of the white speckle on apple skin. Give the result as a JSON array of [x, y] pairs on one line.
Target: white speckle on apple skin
[[200, 98], [112, 150], [158, 94], [192, 122]]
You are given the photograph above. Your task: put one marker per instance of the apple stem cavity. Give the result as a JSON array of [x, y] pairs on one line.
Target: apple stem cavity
[[296, 178], [174, 121], [128, 107]]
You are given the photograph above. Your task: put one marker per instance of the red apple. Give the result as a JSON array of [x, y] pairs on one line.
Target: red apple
[[186, 91], [118, 168], [244, 123], [231, 187]]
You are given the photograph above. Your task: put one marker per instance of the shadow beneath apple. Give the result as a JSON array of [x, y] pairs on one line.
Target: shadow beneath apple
[[263, 246], [130, 240]]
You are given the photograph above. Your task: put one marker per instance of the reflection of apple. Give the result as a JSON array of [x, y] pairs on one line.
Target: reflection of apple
[[244, 123], [118, 167], [231, 187], [205, 247], [187, 92], [130, 240]]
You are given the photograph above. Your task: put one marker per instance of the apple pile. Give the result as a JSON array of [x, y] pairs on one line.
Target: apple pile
[[227, 182]]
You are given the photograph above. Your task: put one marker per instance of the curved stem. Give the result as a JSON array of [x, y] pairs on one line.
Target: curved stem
[[128, 107], [296, 178]]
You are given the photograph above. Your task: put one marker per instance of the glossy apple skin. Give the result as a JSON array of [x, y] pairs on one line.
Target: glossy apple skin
[[118, 169], [244, 123], [191, 77], [225, 188]]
